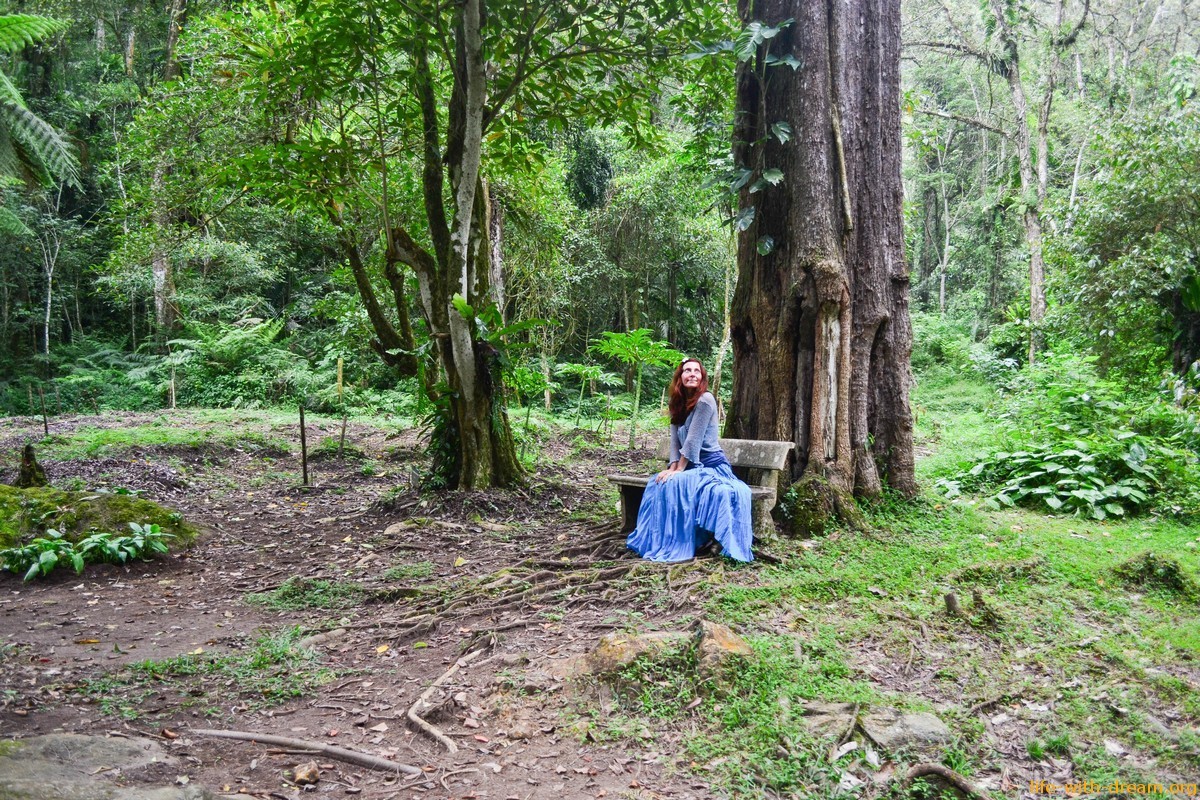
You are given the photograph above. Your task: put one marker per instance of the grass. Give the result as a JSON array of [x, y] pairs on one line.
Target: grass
[[407, 572], [296, 594], [269, 671], [162, 433]]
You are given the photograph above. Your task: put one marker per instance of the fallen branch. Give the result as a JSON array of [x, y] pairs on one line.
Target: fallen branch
[[414, 715], [337, 753], [948, 775]]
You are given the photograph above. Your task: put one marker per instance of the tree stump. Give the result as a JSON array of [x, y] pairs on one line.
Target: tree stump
[[31, 473]]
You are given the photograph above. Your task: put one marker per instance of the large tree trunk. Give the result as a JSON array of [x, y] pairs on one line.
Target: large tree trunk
[[821, 330]]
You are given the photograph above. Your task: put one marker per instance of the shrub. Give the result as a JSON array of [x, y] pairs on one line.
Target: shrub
[[1072, 442]]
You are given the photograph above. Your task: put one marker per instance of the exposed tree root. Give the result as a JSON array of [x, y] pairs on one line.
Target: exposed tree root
[[414, 711], [338, 753], [948, 775]]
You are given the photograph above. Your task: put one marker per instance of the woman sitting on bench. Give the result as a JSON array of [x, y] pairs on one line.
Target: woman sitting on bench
[[697, 499]]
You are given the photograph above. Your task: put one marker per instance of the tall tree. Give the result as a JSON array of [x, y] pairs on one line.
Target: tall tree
[[821, 329], [474, 76]]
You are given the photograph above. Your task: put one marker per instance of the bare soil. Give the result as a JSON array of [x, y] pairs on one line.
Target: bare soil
[[506, 711]]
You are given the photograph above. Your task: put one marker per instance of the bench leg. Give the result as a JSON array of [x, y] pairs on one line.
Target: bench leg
[[631, 501], [760, 515]]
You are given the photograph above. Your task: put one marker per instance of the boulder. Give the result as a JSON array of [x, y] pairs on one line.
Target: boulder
[[65, 766], [617, 650], [717, 647], [892, 729]]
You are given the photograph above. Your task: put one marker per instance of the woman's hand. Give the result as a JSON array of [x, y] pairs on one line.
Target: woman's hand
[[668, 473]]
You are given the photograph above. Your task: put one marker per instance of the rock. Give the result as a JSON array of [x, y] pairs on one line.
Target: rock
[[1159, 727], [521, 729], [65, 766], [306, 774], [826, 720], [892, 729], [717, 647], [617, 650]]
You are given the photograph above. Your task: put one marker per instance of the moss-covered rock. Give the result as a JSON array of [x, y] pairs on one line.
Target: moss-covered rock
[[813, 503], [25, 513]]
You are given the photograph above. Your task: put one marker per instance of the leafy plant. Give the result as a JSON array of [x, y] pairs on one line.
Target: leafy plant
[[42, 555], [1076, 443], [638, 350], [587, 375]]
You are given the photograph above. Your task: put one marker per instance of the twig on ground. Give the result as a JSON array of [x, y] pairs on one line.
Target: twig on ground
[[946, 774], [339, 753], [902, 618], [414, 715], [975, 709], [454, 772]]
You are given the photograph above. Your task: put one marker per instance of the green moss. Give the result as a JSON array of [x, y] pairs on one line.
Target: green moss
[[10, 746], [28, 512], [812, 504]]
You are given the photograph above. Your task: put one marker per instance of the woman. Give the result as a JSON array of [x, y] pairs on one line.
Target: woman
[[697, 498]]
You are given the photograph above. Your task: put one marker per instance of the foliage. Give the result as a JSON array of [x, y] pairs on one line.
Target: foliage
[[26, 513], [29, 146], [1073, 442], [636, 349], [1128, 266], [42, 555]]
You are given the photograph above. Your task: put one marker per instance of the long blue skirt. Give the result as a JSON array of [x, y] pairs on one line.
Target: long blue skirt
[[683, 513]]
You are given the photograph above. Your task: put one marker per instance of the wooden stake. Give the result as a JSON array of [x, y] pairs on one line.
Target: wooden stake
[[32, 410], [45, 423], [342, 438], [303, 446]]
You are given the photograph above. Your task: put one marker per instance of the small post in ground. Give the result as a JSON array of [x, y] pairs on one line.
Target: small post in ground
[[342, 438], [45, 423], [303, 445]]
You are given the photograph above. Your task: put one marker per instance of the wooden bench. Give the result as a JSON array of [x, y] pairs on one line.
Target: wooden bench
[[757, 463]]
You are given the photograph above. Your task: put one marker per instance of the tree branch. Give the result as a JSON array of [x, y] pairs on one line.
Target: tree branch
[[1069, 39], [966, 120], [954, 47]]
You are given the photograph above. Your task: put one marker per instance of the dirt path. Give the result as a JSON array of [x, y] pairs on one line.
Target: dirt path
[[423, 594]]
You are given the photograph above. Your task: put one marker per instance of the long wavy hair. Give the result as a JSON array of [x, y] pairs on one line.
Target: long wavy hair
[[682, 401]]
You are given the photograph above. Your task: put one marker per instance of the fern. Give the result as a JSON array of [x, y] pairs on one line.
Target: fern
[[18, 31], [29, 146], [11, 224]]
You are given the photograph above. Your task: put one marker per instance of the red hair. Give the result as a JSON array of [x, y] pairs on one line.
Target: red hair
[[682, 401]]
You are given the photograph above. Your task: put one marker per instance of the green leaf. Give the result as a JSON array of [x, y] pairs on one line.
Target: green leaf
[[1053, 502], [781, 131], [744, 219], [773, 176], [766, 244]]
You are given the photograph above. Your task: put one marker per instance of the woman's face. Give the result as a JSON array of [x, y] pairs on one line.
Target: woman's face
[[690, 377]]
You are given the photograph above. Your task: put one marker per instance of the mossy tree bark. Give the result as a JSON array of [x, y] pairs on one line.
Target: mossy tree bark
[[821, 331]]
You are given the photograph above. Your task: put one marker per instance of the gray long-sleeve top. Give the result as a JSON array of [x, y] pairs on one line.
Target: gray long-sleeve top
[[698, 435]]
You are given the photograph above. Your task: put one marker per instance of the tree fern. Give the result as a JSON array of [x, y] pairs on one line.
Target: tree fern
[[18, 31], [29, 147], [11, 224]]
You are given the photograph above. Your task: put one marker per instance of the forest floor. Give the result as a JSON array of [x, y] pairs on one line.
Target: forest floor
[[1064, 674]]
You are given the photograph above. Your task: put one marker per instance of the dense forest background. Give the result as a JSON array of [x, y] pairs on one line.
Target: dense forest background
[[224, 239]]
